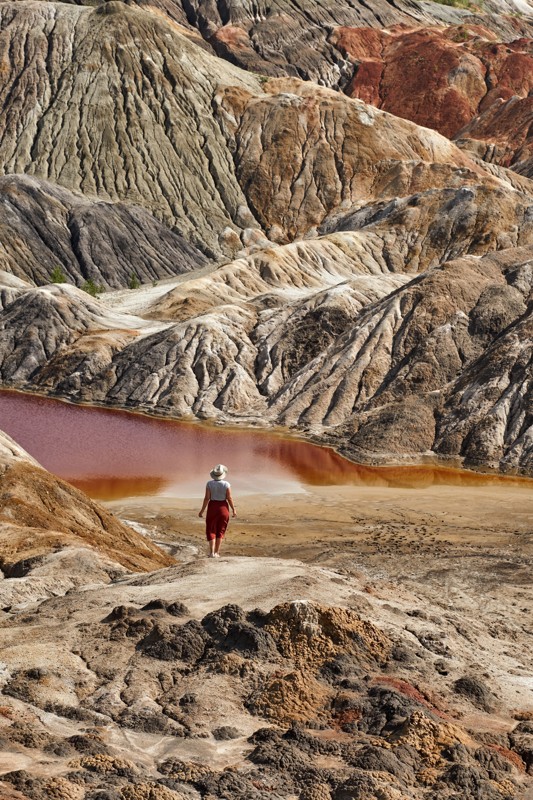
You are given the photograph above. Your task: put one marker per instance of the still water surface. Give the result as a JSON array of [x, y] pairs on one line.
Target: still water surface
[[116, 454]]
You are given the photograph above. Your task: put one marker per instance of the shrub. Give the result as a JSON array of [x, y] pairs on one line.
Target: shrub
[[57, 275], [92, 288], [459, 3], [134, 281]]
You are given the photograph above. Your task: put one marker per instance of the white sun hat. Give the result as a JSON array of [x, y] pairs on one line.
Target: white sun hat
[[218, 473]]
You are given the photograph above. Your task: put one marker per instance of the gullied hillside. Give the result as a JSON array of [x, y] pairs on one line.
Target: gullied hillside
[[44, 227], [322, 336], [113, 102]]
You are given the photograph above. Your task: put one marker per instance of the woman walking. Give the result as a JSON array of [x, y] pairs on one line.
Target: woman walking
[[216, 500]]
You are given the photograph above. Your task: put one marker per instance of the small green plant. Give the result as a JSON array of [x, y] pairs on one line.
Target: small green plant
[[155, 283], [92, 288], [134, 281], [261, 78], [57, 275], [458, 3], [461, 35]]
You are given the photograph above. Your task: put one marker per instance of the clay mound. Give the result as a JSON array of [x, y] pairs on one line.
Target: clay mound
[[41, 514], [46, 227]]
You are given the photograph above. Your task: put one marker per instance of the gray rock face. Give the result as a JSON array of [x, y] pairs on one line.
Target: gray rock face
[[45, 227], [108, 118]]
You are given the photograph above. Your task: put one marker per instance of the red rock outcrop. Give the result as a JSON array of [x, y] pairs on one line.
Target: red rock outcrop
[[437, 77]]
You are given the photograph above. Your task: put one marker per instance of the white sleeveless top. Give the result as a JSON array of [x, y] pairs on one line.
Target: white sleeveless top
[[218, 489]]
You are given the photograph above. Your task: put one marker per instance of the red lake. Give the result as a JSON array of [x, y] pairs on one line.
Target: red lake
[[114, 454]]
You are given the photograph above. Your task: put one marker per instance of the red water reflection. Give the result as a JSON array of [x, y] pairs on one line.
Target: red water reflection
[[115, 454]]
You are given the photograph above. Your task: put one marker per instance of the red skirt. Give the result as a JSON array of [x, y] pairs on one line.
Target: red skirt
[[216, 519]]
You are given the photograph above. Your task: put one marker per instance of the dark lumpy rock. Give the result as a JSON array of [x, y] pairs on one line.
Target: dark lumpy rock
[[232, 631], [59, 748], [82, 777], [73, 712], [226, 733], [175, 609], [227, 784], [522, 743], [310, 744], [344, 671], [470, 781], [104, 794], [378, 759], [495, 766], [30, 736], [359, 784], [347, 710], [180, 642], [217, 623], [401, 654], [188, 699], [248, 641], [19, 687], [384, 710], [120, 613], [458, 754], [524, 727], [274, 751], [126, 623], [148, 721], [476, 691], [89, 744], [291, 755], [178, 609], [22, 568], [21, 780]]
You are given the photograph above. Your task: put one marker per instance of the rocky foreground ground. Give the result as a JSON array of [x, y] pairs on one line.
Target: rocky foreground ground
[[350, 644]]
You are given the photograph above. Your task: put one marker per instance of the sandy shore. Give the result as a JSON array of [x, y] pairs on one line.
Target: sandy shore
[[356, 522]]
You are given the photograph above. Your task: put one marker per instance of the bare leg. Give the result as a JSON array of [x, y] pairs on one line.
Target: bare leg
[[211, 543], [218, 542]]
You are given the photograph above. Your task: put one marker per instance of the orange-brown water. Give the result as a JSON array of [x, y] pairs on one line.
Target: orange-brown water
[[115, 454]]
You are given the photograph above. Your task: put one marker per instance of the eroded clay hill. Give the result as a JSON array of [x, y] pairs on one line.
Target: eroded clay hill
[[124, 106], [58, 533], [323, 336], [45, 228]]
